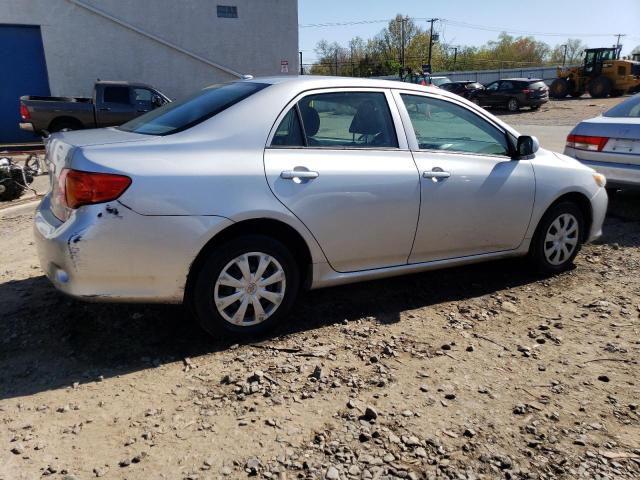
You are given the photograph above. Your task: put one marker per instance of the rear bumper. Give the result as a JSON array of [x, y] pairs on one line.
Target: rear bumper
[[532, 102], [28, 126], [618, 174], [116, 254]]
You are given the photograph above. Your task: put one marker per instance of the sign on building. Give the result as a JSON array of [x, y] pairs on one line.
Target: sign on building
[[284, 66]]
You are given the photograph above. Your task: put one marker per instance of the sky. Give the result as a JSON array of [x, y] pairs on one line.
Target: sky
[[593, 21]]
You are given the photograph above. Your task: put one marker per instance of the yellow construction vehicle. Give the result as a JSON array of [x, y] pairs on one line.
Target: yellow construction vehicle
[[602, 74]]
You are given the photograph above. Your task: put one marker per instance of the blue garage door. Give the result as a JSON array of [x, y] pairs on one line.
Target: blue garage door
[[24, 72]]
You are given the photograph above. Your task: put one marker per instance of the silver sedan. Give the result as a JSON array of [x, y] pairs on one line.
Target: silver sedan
[[610, 143], [237, 197]]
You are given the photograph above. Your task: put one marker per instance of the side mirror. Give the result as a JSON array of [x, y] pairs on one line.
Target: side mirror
[[526, 146]]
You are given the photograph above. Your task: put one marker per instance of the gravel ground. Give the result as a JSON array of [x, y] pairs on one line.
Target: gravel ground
[[476, 372]]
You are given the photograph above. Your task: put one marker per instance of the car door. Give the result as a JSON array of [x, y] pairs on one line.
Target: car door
[[339, 161], [488, 95], [116, 106], [504, 93], [474, 199]]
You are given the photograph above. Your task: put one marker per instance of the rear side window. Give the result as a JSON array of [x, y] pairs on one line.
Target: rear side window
[[116, 95], [506, 86], [289, 132], [347, 120], [178, 116]]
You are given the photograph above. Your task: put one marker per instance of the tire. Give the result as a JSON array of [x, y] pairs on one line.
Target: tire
[[616, 93], [209, 285], [559, 88], [548, 257], [600, 87], [512, 105], [64, 126]]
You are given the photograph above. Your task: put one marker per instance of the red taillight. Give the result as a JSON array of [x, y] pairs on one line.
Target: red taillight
[[24, 112], [86, 188], [586, 142], [526, 90]]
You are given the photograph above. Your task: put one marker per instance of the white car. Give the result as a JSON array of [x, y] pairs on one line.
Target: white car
[[235, 198]]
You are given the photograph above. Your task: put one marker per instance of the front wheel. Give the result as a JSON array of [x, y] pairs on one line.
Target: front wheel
[[558, 238], [245, 287]]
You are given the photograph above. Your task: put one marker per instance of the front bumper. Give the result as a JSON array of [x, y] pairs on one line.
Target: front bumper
[[107, 252], [599, 204]]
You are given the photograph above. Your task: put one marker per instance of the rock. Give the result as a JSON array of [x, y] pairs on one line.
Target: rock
[[469, 432], [318, 374], [520, 409], [603, 378], [253, 465], [332, 473], [17, 450], [370, 413], [100, 471], [226, 471]]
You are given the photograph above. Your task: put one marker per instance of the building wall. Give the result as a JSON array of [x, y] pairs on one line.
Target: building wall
[[81, 45]]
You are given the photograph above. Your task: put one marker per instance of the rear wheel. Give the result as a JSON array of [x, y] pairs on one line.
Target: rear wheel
[[600, 87], [558, 238], [512, 105], [245, 287], [559, 88]]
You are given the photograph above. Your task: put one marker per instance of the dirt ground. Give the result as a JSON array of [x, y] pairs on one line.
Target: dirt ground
[[477, 372]]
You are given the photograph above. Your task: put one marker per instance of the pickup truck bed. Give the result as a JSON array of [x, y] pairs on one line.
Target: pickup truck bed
[[113, 103]]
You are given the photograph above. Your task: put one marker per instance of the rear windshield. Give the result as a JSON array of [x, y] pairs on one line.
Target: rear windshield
[[537, 85], [630, 108], [178, 116]]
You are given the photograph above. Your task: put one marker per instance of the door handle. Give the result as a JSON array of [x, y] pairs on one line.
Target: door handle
[[300, 174], [435, 174], [104, 109]]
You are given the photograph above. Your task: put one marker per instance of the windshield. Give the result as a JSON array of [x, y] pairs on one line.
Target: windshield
[[178, 116], [630, 108]]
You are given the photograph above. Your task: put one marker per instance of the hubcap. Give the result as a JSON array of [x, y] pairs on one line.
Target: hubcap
[[561, 239], [249, 289]]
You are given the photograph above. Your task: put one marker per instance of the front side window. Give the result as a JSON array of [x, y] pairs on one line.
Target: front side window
[[445, 126], [506, 86], [116, 95], [492, 87], [178, 116], [347, 120]]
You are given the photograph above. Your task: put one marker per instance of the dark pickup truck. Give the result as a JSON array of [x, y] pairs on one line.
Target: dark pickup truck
[[113, 103]]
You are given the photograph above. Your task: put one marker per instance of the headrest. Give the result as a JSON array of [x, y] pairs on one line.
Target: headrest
[[367, 120], [310, 119]]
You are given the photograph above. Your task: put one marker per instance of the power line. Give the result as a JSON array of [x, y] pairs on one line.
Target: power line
[[460, 24]]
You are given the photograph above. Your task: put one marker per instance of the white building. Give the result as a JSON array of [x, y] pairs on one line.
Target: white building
[[60, 47]]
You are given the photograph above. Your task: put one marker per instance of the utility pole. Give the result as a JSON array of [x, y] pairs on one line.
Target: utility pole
[[618, 43], [301, 67], [336, 60], [564, 56], [402, 26], [431, 37], [455, 57], [352, 72]]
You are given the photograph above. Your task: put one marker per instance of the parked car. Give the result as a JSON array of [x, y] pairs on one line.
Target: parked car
[[514, 93], [235, 198], [465, 88], [610, 143], [113, 103], [426, 80]]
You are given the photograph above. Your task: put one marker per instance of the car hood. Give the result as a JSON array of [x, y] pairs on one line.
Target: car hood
[[97, 136]]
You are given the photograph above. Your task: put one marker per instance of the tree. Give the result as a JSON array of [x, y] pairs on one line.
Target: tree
[[575, 49]]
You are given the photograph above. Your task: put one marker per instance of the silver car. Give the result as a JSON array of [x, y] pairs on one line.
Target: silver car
[[237, 197], [610, 143]]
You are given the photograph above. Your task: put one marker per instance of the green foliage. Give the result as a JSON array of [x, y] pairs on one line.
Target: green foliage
[[381, 55]]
